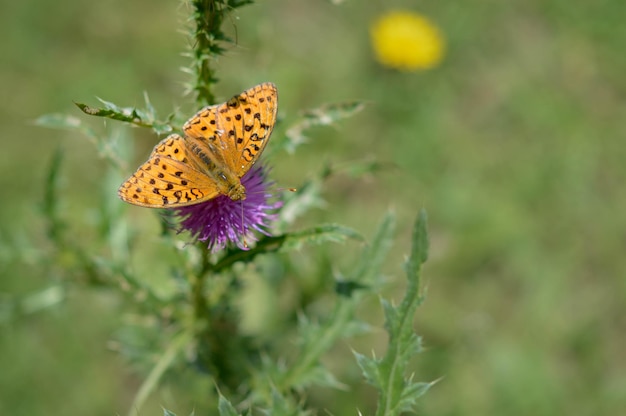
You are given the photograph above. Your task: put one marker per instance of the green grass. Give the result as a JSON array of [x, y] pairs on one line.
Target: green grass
[[515, 146]]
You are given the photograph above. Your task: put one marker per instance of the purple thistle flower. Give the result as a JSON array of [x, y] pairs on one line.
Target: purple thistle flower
[[219, 220]]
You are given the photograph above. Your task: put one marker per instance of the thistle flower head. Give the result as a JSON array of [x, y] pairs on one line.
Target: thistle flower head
[[221, 220]]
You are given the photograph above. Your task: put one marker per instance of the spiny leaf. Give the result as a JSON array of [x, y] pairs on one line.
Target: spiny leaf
[[356, 327], [348, 287], [129, 115], [315, 338], [50, 204], [398, 393], [412, 391], [225, 407], [369, 367], [105, 146], [322, 116], [283, 406], [419, 250], [238, 3], [319, 375], [307, 196], [374, 255], [42, 299], [315, 235], [112, 111], [318, 235], [329, 113], [177, 344], [66, 122], [360, 168]]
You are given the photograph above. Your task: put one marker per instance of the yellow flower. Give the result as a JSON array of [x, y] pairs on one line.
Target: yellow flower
[[406, 41]]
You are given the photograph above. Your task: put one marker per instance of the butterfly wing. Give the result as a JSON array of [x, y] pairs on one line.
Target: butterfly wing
[[237, 131], [170, 178], [223, 142]]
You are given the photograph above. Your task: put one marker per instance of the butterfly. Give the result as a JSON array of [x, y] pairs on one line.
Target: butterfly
[[220, 144]]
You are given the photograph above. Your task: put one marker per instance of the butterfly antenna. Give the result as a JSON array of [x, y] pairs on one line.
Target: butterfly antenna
[[275, 192], [245, 243]]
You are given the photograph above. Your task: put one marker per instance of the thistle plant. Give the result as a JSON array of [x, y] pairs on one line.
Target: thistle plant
[[196, 325]]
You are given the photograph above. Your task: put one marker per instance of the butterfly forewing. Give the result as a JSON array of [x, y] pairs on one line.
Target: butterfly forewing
[[240, 128], [258, 117], [170, 178]]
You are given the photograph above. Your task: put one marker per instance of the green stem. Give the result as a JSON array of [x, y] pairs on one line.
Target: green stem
[[158, 370], [208, 19], [215, 327], [313, 351], [202, 311], [200, 306]]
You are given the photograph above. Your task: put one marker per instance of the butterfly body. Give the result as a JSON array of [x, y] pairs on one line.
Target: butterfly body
[[213, 166], [220, 145]]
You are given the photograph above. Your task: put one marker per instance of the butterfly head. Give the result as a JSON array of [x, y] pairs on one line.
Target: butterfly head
[[237, 192]]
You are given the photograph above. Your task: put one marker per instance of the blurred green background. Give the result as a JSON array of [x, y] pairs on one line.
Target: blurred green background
[[516, 146]]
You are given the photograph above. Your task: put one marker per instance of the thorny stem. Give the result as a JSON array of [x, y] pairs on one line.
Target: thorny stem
[[163, 363], [202, 311], [212, 318], [208, 17], [208, 39], [220, 351]]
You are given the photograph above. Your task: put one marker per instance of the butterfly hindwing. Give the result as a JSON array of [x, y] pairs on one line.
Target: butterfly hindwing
[[170, 178]]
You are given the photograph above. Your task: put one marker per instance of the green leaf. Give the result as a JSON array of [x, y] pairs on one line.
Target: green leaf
[[411, 392], [369, 367], [322, 116], [168, 412], [14, 306], [318, 375], [129, 115], [225, 407], [329, 113], [104, 146], [391, 316], [317, 337], [286, 242], [356, 327], [306, 197], [282, 406], [317, 235], [238, 3], [397, 393], [66, 122], [360, 168], [50, 203], [43, 299], [373, 256], [348, 287], [112, 111], [177, 344], [419, 251]]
